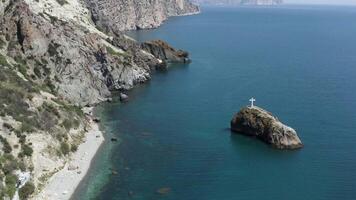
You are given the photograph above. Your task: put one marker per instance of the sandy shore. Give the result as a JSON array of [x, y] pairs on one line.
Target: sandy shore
[[62, 185]]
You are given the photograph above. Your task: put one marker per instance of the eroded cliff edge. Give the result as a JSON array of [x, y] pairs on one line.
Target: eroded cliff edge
[[120, 15], [53, 62]]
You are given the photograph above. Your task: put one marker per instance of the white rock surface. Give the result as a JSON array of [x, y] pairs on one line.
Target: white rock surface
[[62, 185]]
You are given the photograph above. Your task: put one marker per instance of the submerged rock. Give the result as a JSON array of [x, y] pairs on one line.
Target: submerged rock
[[124, 97], [254, 121], [164, 190]]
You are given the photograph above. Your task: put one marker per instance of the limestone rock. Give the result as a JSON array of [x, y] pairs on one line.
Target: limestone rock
[[120, 15], [238, 2], [263, 125], [163, 51], [82, 66], [56, 61]]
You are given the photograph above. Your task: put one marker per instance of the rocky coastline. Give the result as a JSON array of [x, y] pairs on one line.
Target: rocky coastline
[[121, 15], [239, 2], [57, 59]]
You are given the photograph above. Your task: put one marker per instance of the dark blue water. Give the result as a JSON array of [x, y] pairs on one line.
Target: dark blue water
[[298, 62]]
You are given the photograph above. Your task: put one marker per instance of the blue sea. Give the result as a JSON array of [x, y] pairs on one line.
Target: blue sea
[[299, 62]]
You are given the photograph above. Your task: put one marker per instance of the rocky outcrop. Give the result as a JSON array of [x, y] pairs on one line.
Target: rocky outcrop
[[120, 15], [163, 51], [256, 122]]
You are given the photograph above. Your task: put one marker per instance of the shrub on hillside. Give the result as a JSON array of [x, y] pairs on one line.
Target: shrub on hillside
[[26, 190], [65, 149], [2, 43], [10, 181], [10, 166], [27, 150], [74, 148], [6, 146], [62, 2], [3, 61]]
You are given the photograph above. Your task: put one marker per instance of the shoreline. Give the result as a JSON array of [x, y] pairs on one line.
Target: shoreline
[[188, 14], [63, 184]]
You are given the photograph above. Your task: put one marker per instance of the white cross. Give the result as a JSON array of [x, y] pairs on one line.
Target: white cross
[[252, 100]]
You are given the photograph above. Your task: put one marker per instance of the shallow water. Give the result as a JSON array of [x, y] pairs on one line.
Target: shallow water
[[299, 62]]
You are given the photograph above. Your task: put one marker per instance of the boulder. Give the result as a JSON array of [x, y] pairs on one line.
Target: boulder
[[72, 168], [259, 123], [124, 97], [96, 120]]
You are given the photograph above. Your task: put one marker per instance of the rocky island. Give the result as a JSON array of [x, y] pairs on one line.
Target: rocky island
[[259, 123]]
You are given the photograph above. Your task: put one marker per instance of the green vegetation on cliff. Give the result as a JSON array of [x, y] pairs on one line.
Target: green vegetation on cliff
[[22, 101]]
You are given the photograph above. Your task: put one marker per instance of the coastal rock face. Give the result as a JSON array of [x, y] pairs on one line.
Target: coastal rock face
[[254, 121], [53, 62], [261, 2], [239, 2], [120, 15], [163, 51], [81, 63]]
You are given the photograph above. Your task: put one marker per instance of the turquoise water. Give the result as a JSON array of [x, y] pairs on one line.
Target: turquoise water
[[298, 62]]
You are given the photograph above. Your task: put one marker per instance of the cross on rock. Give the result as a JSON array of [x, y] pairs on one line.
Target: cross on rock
[[252, 100]]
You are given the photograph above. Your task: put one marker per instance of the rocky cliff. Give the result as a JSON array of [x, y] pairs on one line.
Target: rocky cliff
[[53, 62], [238, 2], [256, 122], [120, 15], [261, 2]]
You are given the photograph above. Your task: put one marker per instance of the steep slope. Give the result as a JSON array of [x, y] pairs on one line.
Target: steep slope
[[120, 15], [53, 62], [238, 2]]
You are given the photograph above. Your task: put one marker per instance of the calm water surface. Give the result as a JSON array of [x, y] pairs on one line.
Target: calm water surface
[[298, 62]]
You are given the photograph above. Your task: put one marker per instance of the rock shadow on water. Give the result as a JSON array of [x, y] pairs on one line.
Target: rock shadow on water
[[246, 147], [171, 67]]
